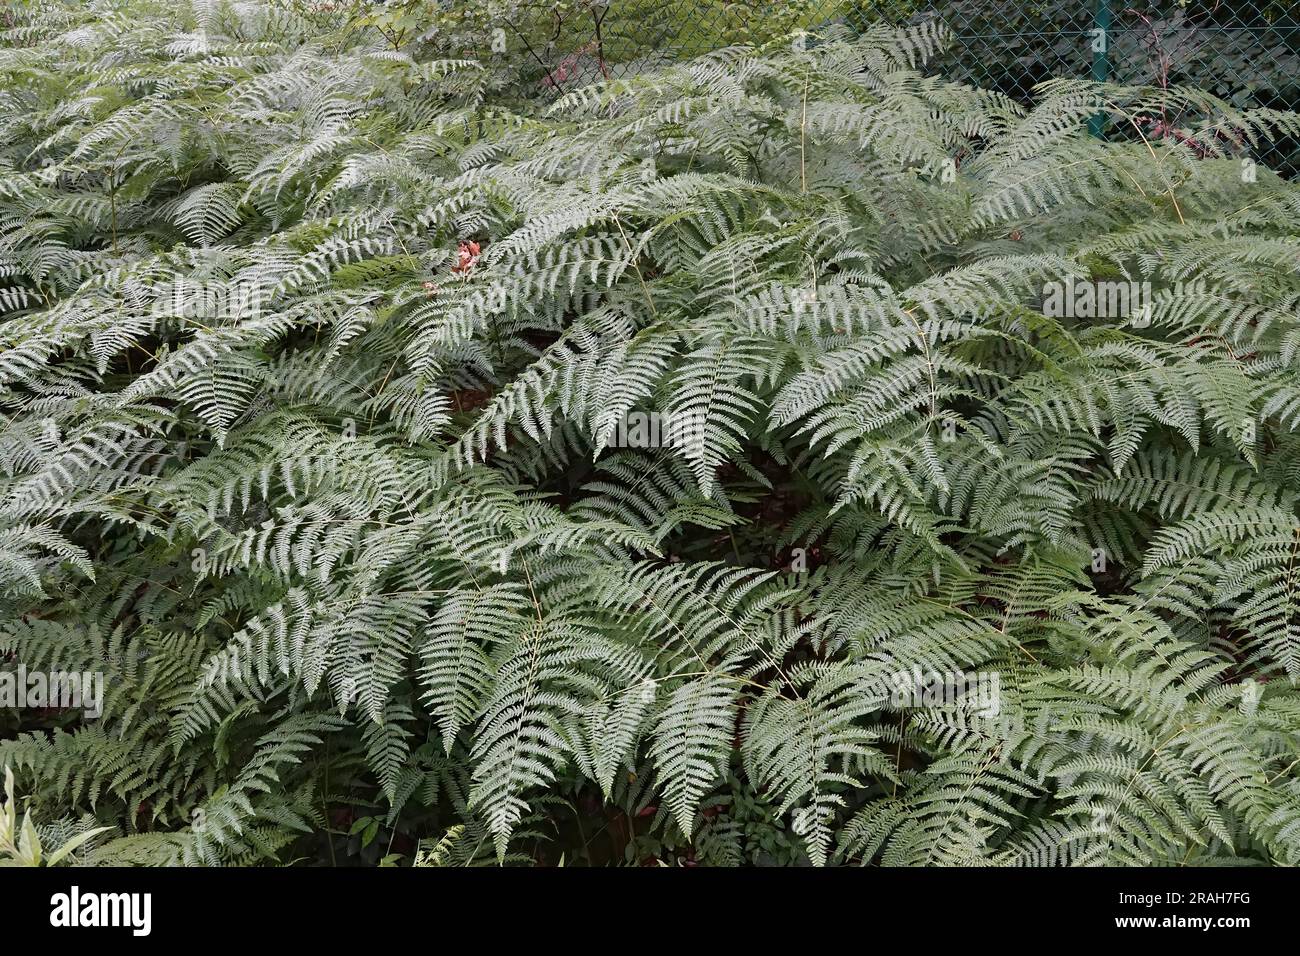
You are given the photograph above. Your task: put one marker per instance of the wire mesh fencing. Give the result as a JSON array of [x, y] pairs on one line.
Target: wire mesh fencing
[[1247, 53]]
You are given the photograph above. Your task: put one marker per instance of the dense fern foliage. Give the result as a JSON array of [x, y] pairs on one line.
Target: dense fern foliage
[[317, 364]]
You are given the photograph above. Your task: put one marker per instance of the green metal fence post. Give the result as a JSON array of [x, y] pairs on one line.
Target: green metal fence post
[[1100, 60]]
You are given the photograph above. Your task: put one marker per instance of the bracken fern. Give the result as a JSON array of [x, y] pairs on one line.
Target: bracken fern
[[317, 360]]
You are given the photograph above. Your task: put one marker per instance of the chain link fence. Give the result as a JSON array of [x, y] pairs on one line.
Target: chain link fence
[[1248, 53]]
